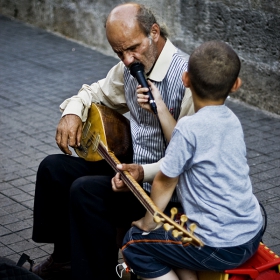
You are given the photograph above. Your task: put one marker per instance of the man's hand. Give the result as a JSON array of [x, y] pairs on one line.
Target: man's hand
[[135, 170], [69, 133]]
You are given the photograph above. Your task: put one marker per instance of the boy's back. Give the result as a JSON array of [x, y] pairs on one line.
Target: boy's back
[[214, 186]]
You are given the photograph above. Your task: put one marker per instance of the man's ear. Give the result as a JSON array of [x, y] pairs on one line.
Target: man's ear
[[186, 79], [155, 32], [236, 85]]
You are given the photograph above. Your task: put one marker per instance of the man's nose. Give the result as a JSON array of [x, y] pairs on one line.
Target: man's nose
[[128, 59]]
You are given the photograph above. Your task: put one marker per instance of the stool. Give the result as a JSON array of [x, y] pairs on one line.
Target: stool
[[264, 264]]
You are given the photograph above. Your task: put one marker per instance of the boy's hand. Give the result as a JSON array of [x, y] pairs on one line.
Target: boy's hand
[[146, 224], [143, 98]]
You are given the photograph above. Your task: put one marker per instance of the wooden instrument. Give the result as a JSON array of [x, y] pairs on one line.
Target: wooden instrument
[[106, 134]]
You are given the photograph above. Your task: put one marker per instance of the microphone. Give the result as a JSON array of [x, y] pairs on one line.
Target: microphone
[[137, 71]]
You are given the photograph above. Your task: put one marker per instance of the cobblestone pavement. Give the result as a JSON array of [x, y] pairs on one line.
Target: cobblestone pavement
[[38, 71]]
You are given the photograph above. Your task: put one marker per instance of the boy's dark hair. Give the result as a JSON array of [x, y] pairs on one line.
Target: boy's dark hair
[[213, 69]]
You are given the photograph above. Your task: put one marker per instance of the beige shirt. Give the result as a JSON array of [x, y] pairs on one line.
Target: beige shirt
[[110, 92]]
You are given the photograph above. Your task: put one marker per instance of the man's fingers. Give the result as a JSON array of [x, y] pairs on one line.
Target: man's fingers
[[69, 133], [121, 166], [113, 183], [79, 135], [72, 140], [61, 143], [64, 144], [58, 137]]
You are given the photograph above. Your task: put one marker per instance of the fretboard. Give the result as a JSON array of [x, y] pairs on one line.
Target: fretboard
[[128, 179]]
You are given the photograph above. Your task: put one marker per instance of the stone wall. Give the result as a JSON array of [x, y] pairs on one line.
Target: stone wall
[[251, 27]]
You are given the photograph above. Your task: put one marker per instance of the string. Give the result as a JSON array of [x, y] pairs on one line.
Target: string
[[105, 154]]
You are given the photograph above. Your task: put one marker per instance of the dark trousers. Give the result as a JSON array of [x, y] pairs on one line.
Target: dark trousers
[[76, 207]]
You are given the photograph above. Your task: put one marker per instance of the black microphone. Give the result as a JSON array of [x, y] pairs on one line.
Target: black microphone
[[137, 71]]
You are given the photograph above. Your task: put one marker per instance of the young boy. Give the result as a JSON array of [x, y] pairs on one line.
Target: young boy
[[206, 159]]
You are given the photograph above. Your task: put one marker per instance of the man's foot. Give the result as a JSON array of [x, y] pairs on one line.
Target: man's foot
[[48, 269]]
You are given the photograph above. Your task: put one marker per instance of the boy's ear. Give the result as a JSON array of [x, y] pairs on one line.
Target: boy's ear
[[236, 85], [186, 79]]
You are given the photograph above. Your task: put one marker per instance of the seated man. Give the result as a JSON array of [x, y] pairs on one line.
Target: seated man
[[75, 207]]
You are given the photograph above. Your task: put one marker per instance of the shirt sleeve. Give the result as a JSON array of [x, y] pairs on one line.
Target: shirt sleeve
[[108, 91], [150, 171], [178, 156]]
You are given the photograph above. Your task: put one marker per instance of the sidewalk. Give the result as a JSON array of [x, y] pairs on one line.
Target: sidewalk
[[38, 71]]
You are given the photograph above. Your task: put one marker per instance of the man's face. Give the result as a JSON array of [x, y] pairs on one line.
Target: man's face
[[132, 45]]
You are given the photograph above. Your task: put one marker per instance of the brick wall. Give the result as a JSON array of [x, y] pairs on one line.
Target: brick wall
[[251, 27]]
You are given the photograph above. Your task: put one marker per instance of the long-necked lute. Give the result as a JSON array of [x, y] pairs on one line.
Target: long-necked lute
[[106, 135]]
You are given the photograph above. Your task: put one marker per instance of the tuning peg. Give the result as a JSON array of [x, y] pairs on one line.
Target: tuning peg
[[176, 233], [167, 227], [193, 226], [173, 212], [183, 219], [158, 220], [186, 239]]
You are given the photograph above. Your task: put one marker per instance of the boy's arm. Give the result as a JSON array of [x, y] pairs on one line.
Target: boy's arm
[[161, 193]]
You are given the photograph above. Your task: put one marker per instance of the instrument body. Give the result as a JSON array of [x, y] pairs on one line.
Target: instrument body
[[109, 127]]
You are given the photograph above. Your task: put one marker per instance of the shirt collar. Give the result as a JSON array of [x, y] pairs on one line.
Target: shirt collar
[[163, 62]]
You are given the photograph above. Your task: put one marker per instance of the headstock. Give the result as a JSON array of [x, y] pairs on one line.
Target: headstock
[[178, 229]]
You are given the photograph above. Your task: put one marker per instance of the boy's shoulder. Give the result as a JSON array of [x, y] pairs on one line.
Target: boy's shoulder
[[207, 117]]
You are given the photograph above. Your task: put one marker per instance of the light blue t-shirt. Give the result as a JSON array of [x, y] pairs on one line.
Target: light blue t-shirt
[[208, 151]]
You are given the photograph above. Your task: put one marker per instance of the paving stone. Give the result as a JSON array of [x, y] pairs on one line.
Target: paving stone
[[4, 186], [36, 253], [5, 251], [25, 233], [23, 215], [19, 182], [2, 213], [13, 208], [8, 219], [17, 226], [29, 203], [22, 197], [28, 188], [4, 231], [14, 258], [11, 192], [21, 246], [6, 201], [11, 238]]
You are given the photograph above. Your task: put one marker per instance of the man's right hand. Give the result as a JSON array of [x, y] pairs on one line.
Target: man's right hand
[[69, 133]]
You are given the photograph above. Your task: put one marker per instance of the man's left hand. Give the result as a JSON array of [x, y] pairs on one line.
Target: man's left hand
[[135, 170]]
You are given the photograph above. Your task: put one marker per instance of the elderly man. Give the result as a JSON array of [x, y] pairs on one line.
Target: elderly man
[[75, 206]]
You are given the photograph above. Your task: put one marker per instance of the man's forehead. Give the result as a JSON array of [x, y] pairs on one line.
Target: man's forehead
[[121, 41], [122, 32], [125, 11], [119, 20]]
